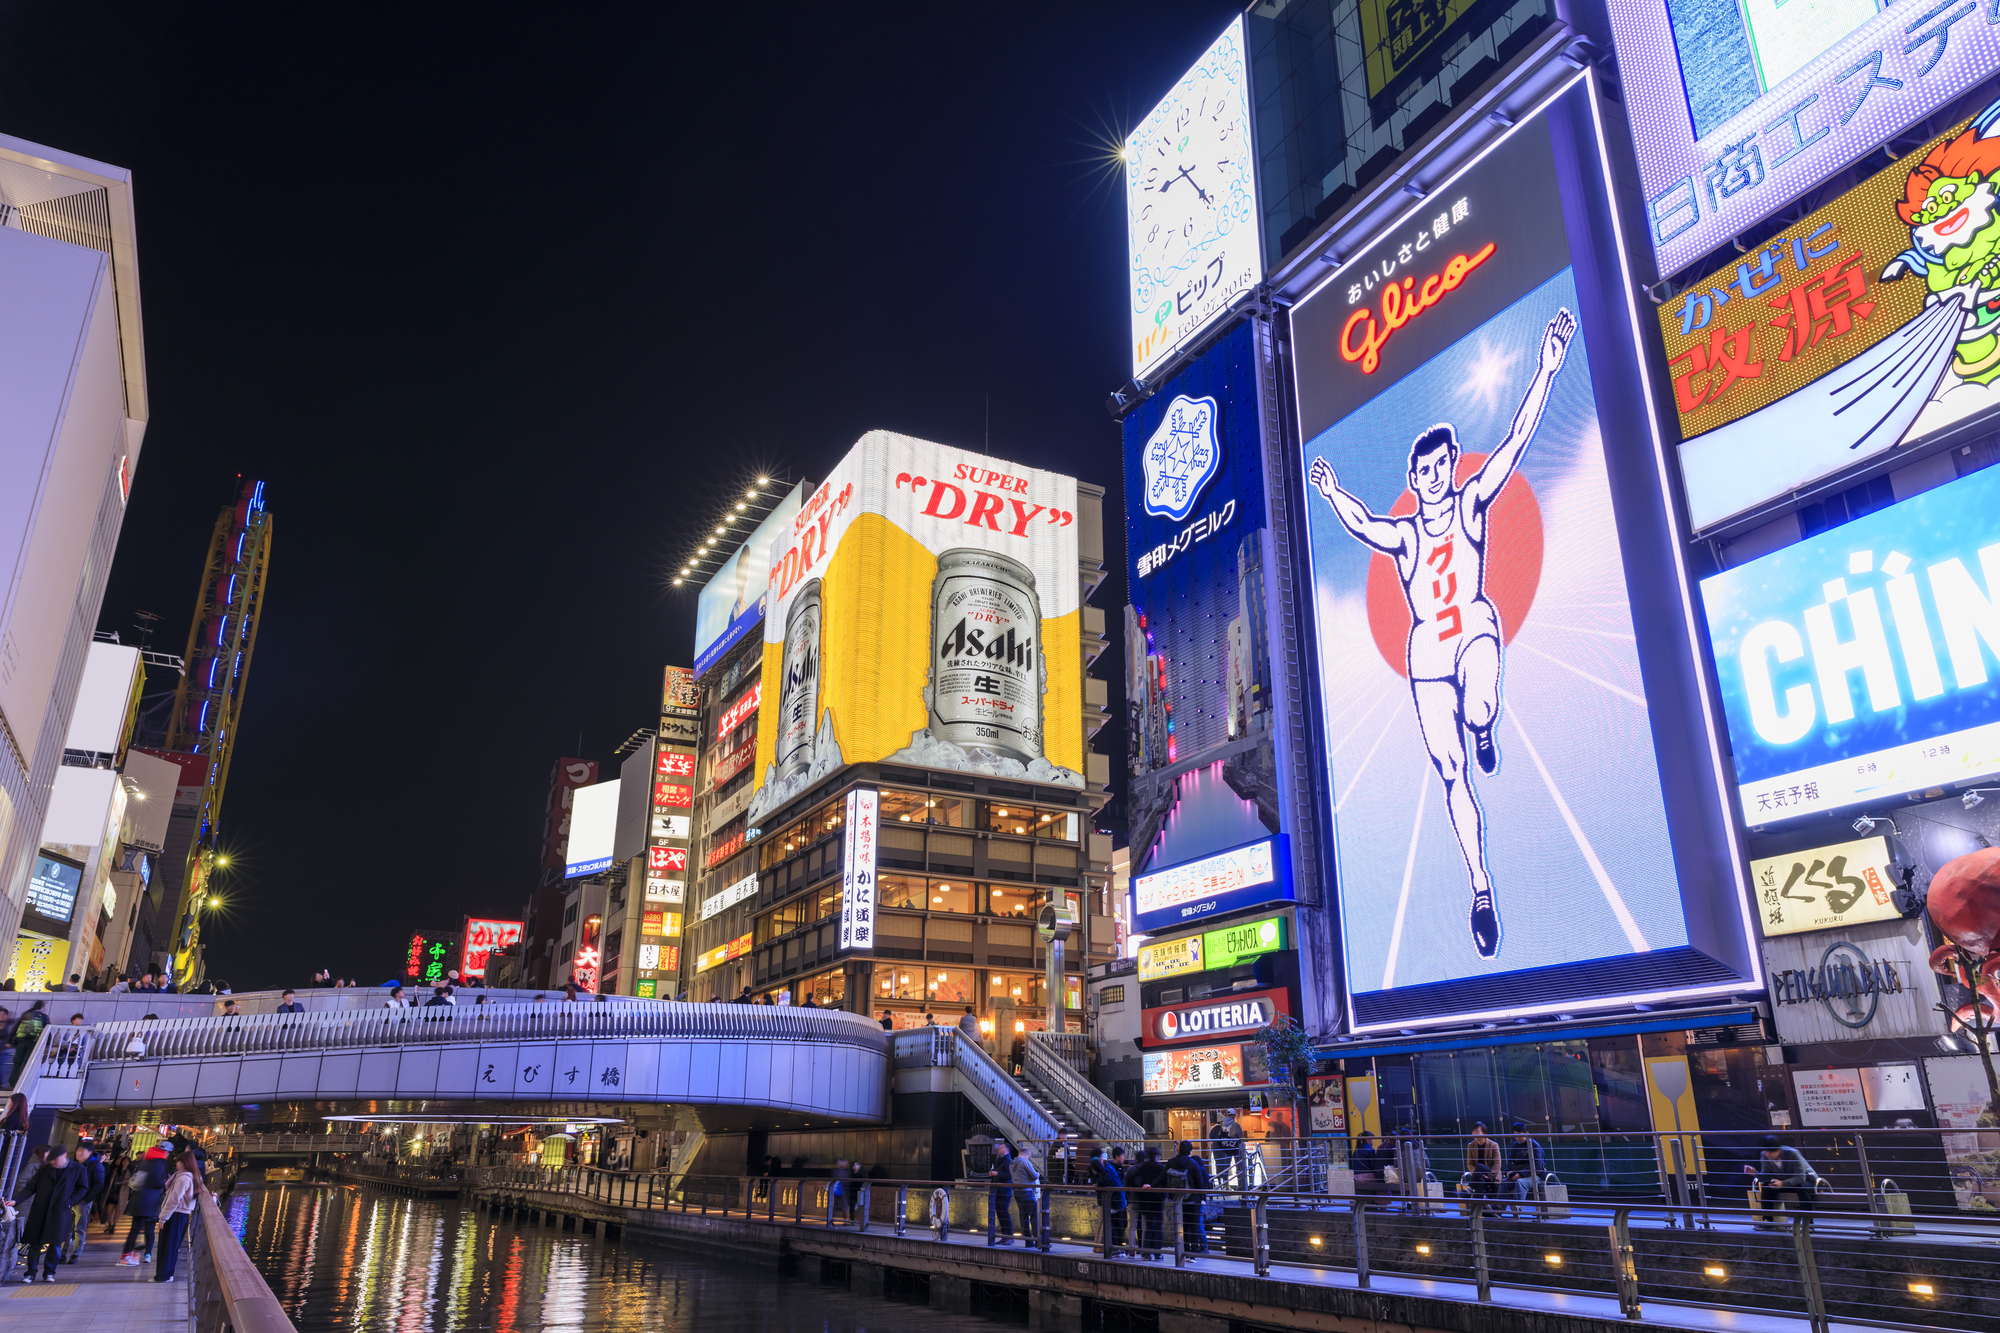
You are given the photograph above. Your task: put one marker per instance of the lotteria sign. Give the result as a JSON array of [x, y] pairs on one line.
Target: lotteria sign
[[1860, 664], [1218, 1016], [1257, 872]]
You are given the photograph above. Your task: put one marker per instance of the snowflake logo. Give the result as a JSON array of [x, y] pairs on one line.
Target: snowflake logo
[[1181, 457]]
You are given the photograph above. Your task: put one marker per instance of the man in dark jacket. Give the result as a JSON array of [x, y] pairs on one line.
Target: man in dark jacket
[[47, 1202], [1002, 1192], [1188, 1171], [25, 1034], [147, 1182], [88, 1168], [1108, 1174], [1147, 1181]]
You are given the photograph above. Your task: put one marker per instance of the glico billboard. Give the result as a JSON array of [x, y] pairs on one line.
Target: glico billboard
[[1524, 814], [1861, 664], [1866, 327], [924, 609]]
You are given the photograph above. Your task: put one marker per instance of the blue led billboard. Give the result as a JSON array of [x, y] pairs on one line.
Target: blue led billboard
[[1859, 664]]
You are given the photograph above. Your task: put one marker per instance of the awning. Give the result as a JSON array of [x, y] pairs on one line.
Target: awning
[[1518, 1035]]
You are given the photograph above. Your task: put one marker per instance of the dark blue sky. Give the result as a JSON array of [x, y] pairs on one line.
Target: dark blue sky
[[493, 300]]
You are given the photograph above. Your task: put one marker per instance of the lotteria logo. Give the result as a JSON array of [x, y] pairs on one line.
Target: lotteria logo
[[1206, 1020]]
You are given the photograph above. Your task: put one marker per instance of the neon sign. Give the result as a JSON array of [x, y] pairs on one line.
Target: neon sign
[[1402, 303]]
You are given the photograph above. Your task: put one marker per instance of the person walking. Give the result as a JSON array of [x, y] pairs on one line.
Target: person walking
[[48, 1198], [1002, 1192], [26, 1033], [843, 1188], [85, 1165], [1108, 1174], [1147, 1180], [1225, 1145], [1027, 1196], [176, 1207], [968, 1025], [1193, 1175], [16, 1119]]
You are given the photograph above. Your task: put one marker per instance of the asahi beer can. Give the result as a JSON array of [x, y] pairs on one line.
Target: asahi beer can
[[798, 693], [986, 666]]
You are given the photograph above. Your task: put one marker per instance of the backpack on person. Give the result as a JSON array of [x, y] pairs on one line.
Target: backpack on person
[[1177, 1178]]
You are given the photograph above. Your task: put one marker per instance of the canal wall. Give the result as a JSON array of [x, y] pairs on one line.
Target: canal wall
[[1066, 1292]]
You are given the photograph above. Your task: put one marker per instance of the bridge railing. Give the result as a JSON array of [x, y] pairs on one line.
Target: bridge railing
[[941, 1048], [250, 1034], [1781, 1259], [226, 1293]]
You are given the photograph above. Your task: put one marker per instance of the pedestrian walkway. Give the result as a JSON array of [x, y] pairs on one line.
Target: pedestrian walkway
[[97, 1294]]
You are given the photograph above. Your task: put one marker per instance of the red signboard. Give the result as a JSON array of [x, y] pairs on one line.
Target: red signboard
[[569, 774], [673, 795], [676, 764], [735, 715], [667, 858], [481, 938], [1222, 1016], [725, 849], [727, 766]]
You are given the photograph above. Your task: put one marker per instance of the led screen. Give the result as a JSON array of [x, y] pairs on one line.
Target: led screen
[[732, 602], [1191, 204], [1498, 809], [593, 829], [1845, 336], [53, 888], [1259, 872], [1200, 708], [1736, 109], [1858, 665]]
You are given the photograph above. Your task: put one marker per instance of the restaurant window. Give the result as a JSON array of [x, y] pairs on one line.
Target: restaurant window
[[787, 918], [900, 983], [948, 985], [1019, 901], [1022, 989], [919, 807], [1027, 821], [826, 902], [926, 895], [828, 989]]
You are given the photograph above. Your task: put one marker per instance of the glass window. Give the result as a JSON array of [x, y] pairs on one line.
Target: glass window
[[787, 918], [935, 895], [1016, 900], [826, 901], [1056, 824], [900, 983], [948, 985], [950, 896], [919, 807], [900, 891], [1022, 989], [828, 989]]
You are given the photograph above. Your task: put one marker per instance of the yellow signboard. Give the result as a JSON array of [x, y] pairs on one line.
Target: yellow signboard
[[722, 953], [1395, 33], [38, 962], [1825, 887], [1169, 957]]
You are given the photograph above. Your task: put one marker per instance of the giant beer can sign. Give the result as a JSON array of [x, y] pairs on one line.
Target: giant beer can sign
[[986, 675], [925, 609], [798, 700]]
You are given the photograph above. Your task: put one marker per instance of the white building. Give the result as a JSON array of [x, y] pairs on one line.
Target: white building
[[73, 385]]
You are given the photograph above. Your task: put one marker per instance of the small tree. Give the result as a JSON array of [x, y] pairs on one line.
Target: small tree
[[1290, 1054]]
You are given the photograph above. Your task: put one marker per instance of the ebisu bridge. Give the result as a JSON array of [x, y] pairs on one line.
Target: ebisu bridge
[[1283, 1237]]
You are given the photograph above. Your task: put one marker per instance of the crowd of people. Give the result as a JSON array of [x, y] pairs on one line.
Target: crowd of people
[[59, 1191]]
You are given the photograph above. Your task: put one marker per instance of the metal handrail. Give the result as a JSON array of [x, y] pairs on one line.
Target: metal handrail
[[226, 1293], [941, 1048], [255, 1033], [1102, 1116]]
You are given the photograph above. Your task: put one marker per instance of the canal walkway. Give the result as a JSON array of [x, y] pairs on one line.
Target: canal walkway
[[97, 1294]]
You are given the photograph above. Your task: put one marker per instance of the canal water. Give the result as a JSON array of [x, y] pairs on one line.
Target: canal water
[[344, 1257]]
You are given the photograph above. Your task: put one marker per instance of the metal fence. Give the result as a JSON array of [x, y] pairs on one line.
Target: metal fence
[[255, 1033], [1778, 1257]]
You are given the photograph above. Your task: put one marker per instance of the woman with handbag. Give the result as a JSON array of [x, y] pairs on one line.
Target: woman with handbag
[[177, 1205]]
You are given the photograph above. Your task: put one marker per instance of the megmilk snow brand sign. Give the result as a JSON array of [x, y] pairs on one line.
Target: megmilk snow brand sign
[[1257, 872]]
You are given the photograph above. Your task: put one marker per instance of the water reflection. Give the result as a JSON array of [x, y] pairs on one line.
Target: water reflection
[[345, 1258]]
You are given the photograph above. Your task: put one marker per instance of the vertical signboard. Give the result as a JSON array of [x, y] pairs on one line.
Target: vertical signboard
[[1501, 826], [669, 833], [1191, 204], [857, 872], [1199, 703]]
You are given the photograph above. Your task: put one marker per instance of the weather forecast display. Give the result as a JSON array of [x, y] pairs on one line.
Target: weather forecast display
[[1496, 794]]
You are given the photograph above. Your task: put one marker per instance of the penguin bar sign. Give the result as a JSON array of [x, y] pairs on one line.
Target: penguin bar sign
[[1871, 325], [1239, 1015]]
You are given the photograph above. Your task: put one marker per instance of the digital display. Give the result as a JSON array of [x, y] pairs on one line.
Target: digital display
[[1259, 872], [1857, 665], [1197, 646], [1738, 109], [593, 829], [732, 603], [1191, 204], [1843, 337], [1498, 810], [52, 889]]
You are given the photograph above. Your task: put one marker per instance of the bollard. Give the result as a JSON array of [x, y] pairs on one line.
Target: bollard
[[902, 1207], [1360, 1242], [1624, 1267], [1260, 1236], [1482, 1277]]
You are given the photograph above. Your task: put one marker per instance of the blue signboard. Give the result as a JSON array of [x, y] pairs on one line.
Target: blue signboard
[[1860, 664], [1227, 881]]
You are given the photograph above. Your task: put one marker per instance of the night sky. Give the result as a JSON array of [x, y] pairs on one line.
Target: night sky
[[498, 303]]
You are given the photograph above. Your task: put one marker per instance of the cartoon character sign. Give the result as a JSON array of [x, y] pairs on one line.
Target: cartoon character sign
[[1454, 650], [1954, 217]]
